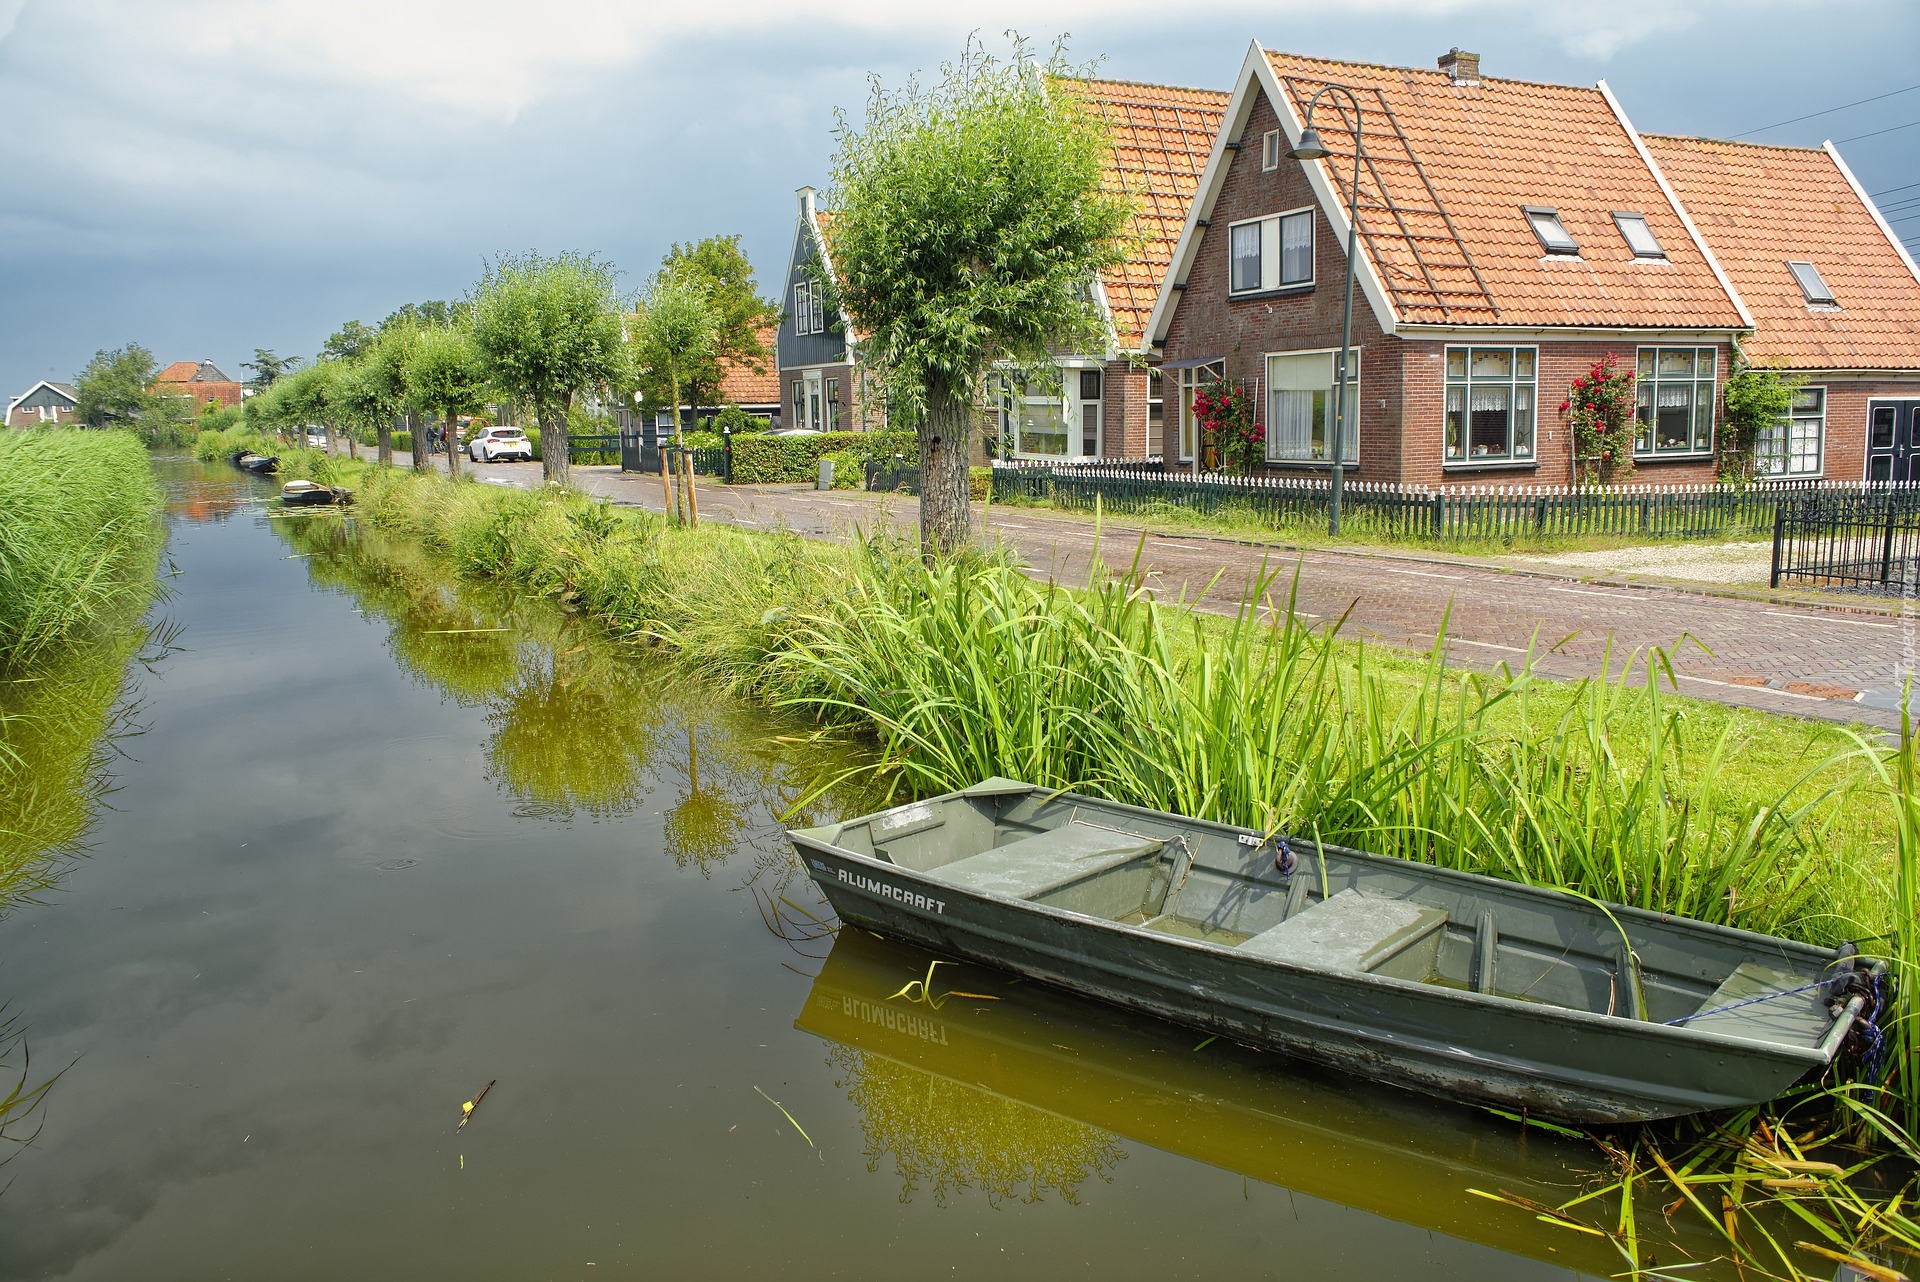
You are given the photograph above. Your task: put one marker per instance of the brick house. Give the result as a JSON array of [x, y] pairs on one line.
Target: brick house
[[201, 381], [1510, 235], [757, 391], [1108, 404], [46, 402], [1834, 295]]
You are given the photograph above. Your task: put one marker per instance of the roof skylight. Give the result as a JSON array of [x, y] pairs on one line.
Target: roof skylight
[[1639, 237], [1807, 277], [1546, 224]]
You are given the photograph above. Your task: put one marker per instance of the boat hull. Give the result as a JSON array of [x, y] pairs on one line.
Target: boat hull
[[1524, 1056]]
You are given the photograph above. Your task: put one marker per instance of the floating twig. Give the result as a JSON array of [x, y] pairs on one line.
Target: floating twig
[[783, 1112], [466, 1109]]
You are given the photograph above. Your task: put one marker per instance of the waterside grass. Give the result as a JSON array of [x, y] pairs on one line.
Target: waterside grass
[[79, 536]]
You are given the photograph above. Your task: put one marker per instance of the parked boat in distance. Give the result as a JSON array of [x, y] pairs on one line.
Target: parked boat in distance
[[248, 461], [308, 494], [1463, 986]]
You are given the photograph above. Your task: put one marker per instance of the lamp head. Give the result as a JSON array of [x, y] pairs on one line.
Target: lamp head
[[1309, 147]]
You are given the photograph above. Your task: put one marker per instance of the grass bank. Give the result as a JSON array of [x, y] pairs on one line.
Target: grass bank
[[1616, 788], [78, 536]]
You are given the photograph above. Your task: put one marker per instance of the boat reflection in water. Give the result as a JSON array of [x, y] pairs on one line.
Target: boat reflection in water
[[1034, 1093]]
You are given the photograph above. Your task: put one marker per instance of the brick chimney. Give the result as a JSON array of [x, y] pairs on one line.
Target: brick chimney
[[1461, 67]]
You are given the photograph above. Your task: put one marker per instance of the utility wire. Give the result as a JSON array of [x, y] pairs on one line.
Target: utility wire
[[1889, 191], [1876, 133], [1829, 111]]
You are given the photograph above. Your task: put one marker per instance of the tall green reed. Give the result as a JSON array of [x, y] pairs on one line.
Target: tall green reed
[[78, 536]]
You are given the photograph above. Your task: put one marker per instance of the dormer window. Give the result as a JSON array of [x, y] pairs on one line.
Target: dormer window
[[1553, 234], [1812, 287], [1639, 236]]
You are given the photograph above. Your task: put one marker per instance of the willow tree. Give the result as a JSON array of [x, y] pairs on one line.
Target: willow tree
[[381, 371], [547, 330], [969, 225], [445, 380]]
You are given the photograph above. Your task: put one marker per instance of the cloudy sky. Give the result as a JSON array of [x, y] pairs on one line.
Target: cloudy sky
[[210, 176]]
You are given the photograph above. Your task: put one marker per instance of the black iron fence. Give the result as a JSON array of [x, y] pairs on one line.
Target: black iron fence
[[1394, 510], [1856, 538], [636, 452]]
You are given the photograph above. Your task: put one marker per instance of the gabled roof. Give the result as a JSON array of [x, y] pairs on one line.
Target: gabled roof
[[1443, 236], [741, 384], [191, 372], [1162, 136], [67, 390], [1760, 207]]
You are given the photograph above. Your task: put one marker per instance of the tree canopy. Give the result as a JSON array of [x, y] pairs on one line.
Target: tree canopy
[[547, 330], [112, 391], [268, 368], [348, 342], [739, 313], [445, 379], [970, 222]]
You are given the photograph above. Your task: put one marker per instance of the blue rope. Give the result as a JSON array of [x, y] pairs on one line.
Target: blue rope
[[1767, 997]]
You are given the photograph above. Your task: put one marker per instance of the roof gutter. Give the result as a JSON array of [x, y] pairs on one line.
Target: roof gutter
[[1686, 219], [1873, 209]]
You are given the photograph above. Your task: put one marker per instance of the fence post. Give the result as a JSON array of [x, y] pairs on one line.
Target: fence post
[[1886, 555], [1779, 530]]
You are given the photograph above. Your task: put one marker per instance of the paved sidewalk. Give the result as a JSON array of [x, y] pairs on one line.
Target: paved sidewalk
[[1829, 663]]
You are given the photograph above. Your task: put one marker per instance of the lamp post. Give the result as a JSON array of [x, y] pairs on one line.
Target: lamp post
[[1310, 148]]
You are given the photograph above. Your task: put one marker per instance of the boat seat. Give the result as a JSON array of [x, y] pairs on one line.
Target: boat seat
[[1046, 861], [1799, 1020], [1350, 931]]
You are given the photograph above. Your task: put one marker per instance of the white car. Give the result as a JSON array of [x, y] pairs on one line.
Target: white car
[[316, 438], [498, 443]]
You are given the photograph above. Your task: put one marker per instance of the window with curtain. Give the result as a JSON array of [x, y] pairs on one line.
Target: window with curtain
[[1271, 253], [1491, 397], [833, 405], [1301, 404], [1674, 394], [1792, 446]]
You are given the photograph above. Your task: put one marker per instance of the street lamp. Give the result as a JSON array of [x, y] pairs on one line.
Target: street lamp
[[1311, 148]]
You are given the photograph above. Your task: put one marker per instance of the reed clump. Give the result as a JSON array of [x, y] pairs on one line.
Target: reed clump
[[79, 536]]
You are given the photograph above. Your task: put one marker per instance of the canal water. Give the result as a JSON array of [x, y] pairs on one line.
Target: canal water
[[375, 841]]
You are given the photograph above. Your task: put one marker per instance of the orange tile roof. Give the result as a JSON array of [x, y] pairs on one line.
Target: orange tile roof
[[1759, 206], [1487, 149], [178, 372], [741, 384], [1162, 137]]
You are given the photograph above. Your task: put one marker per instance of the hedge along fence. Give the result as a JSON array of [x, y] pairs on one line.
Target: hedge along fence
[[761, 459], [1393, 510]]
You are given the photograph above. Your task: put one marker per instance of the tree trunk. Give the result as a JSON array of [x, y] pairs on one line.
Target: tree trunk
[[553, 441], [946, 441], [416, 439], [673, 401], [383, 433], [453, 446], [353, 444]]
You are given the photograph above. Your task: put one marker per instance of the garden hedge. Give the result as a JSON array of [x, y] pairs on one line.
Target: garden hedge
[[762, 460]]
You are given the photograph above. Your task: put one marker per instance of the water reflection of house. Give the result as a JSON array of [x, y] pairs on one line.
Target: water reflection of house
[[200, 381], [46, 402]]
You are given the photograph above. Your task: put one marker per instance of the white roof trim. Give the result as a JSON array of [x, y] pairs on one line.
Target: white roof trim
[[1873, 209], [1666, 188], [1106, 316], [46, 383], [1256, 72]]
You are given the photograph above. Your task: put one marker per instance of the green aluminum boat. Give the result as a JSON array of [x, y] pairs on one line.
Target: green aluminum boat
[[1462, 986]]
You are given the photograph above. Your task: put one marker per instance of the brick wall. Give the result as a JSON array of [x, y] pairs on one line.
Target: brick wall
[[1124, 411]]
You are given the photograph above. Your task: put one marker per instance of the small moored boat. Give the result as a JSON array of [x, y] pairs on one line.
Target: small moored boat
[[308, 494], [248, 461], [1459, 985]]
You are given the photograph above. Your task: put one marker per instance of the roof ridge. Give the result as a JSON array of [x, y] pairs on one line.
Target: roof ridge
[[1225, 95], [1433, 72], [1735, 142]]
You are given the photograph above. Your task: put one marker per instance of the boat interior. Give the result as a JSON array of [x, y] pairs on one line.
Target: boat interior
[[1344, 911]]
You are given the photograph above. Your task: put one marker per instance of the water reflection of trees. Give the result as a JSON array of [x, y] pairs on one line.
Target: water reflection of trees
[[946, 1137], [580, 724]]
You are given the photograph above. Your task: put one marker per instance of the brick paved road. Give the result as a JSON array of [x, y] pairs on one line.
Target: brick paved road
[[1826, 663]]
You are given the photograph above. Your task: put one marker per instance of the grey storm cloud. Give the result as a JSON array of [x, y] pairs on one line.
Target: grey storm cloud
[[208, 176]]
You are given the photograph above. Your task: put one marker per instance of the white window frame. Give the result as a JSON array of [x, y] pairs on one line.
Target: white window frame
[[1272, 237], [809, 316], [1270, 409], [1779, 450], [1645, 445], [1061, 403], [1465, 382], [1156, 423], [830, 404], [1270, 151], [1074, 384]]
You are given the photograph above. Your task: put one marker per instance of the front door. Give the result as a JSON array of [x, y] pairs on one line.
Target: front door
[[1893, 440], [814, 418]]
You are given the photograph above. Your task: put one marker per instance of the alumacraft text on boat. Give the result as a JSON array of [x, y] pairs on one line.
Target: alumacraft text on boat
[[912, 900]]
